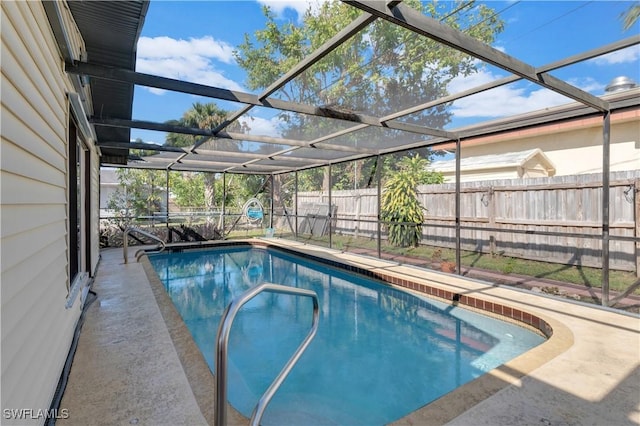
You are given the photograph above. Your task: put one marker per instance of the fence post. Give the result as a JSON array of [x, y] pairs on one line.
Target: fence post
[[457, 207], [329, 215], [636, 219], [606, 170], [378, 198], [358, 207], [492, 221]]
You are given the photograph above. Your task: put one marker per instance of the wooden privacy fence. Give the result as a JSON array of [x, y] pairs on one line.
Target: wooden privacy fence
[[537, 219]]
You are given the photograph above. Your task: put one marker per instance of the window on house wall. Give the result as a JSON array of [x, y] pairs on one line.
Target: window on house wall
[[86, 165], [73, 206], [79, 203]]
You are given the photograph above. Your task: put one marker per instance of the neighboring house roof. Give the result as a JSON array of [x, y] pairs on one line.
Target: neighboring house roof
[[619, 101], [566, 117], [495, 161]]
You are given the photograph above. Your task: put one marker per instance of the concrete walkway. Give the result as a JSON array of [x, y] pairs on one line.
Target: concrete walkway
[[136, 363], [126, 369]]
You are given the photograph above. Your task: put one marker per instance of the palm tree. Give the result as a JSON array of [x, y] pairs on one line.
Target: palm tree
[[202, 116]]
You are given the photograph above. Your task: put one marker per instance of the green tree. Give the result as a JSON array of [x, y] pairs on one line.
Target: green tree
[[202, 116], [630, 16], [417, 167], [187, 188], [139, 194], [400, 207], [382, 69]]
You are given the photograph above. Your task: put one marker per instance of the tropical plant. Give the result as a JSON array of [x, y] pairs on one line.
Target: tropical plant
[[202, 116], [401, 210]]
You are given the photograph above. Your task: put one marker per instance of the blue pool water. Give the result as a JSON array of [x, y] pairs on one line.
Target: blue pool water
[[379, 354]]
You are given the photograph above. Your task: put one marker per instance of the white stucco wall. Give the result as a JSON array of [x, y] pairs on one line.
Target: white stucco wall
[[480, 175], [573, 148]]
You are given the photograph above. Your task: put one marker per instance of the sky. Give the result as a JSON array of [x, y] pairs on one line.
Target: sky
[[194, 41]]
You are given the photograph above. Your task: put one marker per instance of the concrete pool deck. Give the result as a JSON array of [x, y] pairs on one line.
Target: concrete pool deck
[[137, 364]]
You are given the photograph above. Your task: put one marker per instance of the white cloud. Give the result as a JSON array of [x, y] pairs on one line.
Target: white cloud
[[587, 84], [460, 84], [624, 56], [503, 101], [163, 47], [263, 126], [300, 6], [189, 60], [147, 142]]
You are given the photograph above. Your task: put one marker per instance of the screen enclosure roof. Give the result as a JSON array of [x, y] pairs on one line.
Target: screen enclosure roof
[[313, 132]]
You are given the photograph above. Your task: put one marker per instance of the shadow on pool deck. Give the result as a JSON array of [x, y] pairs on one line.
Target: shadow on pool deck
[[135, 363]]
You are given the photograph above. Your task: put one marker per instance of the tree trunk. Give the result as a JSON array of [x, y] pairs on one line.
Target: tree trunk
[[209, 195], [326, 180]]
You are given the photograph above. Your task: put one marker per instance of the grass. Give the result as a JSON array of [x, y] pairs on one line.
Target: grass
[[572, 274], [246, 233]]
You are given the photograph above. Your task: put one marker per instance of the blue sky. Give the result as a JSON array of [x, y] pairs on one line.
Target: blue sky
[[194, 41]]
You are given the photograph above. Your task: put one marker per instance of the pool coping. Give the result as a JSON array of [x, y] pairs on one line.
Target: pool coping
[[199, 376], [439, 411]]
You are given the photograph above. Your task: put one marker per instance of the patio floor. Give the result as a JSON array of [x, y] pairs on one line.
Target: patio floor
[[136, 363]]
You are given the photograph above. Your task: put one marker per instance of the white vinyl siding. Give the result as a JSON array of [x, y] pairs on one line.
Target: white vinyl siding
[[94, 193], [36, 328], [77, 44]]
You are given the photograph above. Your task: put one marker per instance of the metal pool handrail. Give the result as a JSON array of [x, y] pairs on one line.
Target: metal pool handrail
[[125, 243], [222, 342]]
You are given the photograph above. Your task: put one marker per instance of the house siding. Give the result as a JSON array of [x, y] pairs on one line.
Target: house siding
[[473, 176], [36, 329], [565, 143], [95, 210]]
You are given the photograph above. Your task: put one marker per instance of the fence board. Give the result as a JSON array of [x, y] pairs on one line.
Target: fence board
[[564, 204]]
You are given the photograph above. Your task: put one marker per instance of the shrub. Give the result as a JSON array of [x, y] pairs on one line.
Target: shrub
[[402, 211]]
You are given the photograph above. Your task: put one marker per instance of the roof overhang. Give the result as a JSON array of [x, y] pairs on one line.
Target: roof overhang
[[110, 30]]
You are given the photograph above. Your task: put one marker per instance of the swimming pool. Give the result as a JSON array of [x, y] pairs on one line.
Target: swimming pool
[[379, 354]]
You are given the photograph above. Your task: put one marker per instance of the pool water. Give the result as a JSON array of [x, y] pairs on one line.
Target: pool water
[[379, 354]]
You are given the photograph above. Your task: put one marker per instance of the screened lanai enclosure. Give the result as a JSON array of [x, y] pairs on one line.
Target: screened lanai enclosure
[[365, 155]]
